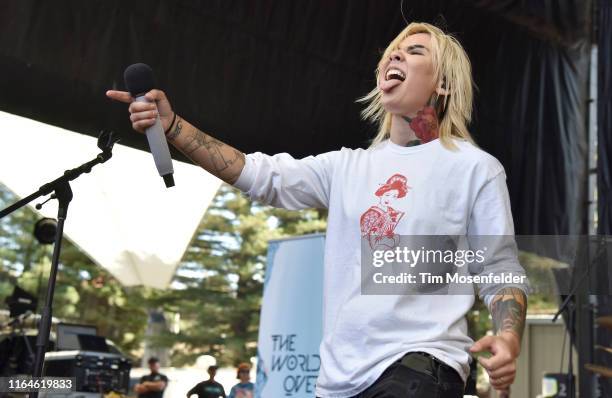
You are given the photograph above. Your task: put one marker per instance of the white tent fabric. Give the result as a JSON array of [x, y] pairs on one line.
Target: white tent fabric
[[122, 215]]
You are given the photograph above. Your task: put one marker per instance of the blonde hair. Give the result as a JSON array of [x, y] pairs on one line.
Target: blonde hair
[[452, 66]]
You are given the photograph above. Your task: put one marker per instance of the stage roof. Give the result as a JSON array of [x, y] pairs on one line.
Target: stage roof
[[283, 76]]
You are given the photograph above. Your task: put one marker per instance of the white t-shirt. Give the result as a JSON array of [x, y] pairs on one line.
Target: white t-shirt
[[443, 192]]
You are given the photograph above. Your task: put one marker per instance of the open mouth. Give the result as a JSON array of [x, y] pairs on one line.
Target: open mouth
[[395, 74], [392, 78]]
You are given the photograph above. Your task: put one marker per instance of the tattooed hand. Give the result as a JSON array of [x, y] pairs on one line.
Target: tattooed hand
[[211, 154], [508, 310]]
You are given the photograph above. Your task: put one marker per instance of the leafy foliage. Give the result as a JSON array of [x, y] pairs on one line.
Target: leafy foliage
[[85, 293], [220, 280]]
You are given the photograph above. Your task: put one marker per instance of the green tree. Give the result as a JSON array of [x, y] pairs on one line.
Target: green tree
[[221, 277], [19, 250], [85, 293]]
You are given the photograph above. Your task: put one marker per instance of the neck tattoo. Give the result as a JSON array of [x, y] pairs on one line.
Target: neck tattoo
[[424, 125]]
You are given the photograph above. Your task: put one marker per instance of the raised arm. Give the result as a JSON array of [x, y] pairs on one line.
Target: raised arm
[[211, 154], [279, 180]]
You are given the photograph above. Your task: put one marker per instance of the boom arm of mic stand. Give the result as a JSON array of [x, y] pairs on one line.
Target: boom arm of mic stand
[[68, 176]]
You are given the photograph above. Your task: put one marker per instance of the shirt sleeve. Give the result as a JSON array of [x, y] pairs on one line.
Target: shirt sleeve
[[232, 393], [491, 229], [283, 181]]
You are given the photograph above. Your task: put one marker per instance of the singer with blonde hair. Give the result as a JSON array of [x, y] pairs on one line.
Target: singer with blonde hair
[[422, 175]]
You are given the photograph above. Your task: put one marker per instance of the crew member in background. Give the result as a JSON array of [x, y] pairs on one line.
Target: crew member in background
[[153, 384], [209, 388], [245, 388]]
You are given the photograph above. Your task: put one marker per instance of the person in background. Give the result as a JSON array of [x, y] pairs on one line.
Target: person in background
[[153, 384], [245, 388], [209, 388]]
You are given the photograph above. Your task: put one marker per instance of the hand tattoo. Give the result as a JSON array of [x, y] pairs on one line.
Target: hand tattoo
[[508, 310]]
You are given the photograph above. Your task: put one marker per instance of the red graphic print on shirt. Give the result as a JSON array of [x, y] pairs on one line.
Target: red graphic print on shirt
[[379, 221]]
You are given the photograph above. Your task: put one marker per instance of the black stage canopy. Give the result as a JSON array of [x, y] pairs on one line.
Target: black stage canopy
[[283, 76]]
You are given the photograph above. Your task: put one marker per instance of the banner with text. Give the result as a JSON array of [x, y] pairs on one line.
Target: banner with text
[[291, 318]]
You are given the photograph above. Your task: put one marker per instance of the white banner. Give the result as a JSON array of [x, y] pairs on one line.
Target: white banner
[[291, 318]]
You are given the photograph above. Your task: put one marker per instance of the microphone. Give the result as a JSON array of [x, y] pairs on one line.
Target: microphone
[[139, 80]]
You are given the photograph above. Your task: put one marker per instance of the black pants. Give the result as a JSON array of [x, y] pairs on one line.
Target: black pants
[[416, 375]]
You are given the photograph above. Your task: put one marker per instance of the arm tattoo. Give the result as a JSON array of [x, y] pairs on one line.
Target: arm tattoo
[[178, 127], [238, 158], [200, 140], [222, 156], [508, 310]]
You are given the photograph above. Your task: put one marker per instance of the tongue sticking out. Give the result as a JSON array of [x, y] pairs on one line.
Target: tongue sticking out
[[387, 85]]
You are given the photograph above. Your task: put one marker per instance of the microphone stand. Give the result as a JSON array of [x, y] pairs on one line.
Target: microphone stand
[[63, 194]]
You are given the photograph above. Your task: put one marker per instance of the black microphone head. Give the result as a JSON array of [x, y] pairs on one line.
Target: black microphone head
[[139, 79]]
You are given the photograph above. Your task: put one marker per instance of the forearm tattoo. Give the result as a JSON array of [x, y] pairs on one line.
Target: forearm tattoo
[[218, 158], [176, 131], [508, 310]]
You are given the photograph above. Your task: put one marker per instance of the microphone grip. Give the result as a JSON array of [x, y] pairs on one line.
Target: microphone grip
[[159, 149]]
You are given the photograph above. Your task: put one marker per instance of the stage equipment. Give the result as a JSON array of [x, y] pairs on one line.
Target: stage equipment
[[95, 372], [20, 302], [45, 229]]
